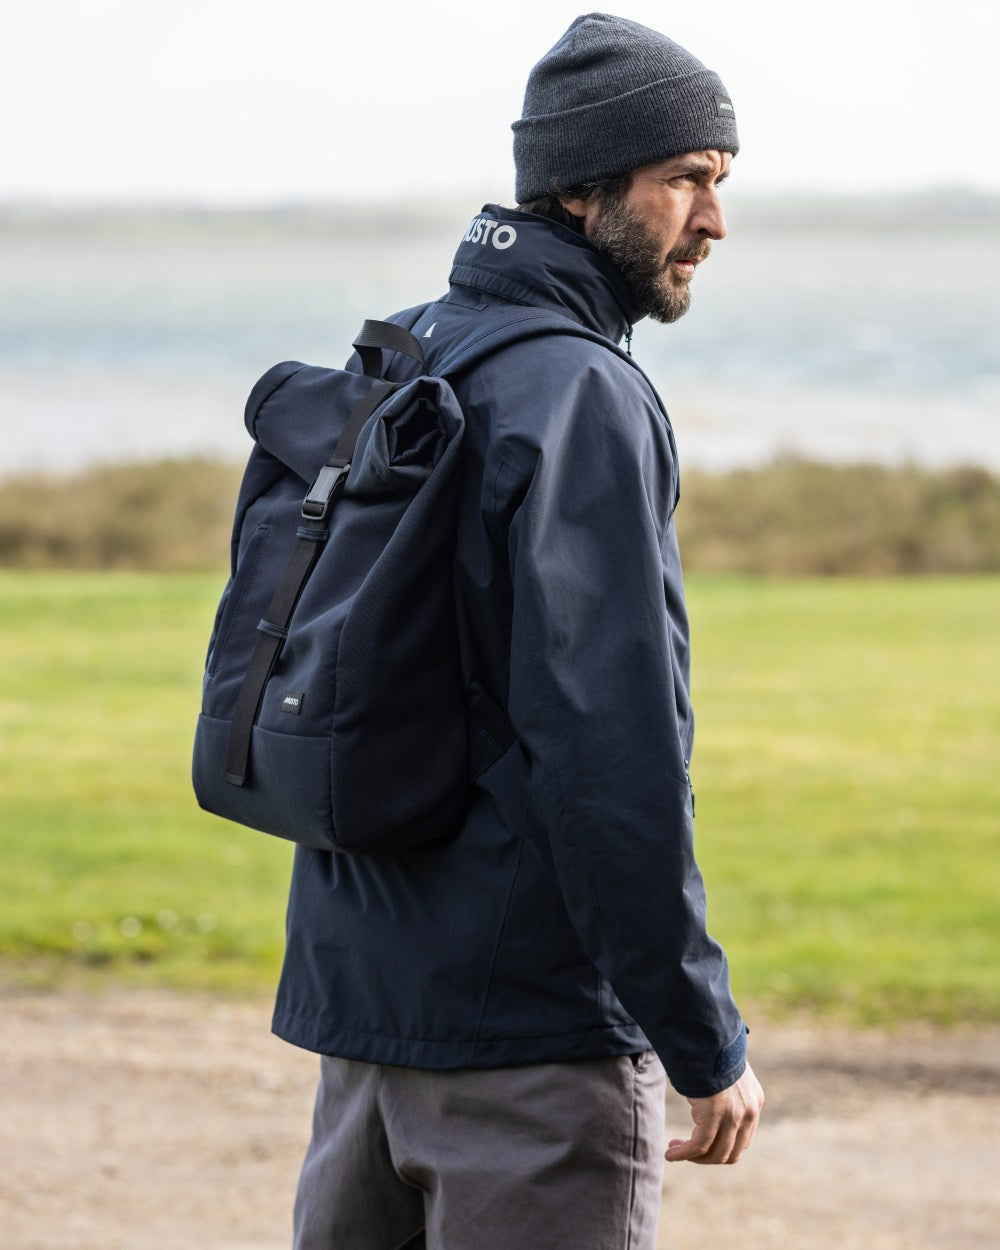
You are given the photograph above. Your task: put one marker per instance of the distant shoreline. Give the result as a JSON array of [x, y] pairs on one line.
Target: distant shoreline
[[924, 209]]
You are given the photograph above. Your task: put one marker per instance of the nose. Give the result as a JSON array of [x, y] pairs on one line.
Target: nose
[[708, 219]]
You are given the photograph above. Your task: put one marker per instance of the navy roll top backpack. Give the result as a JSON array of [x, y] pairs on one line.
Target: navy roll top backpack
[[336, 710]]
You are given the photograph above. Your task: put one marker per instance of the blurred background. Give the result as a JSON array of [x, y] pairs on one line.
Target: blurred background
[[191, 192]]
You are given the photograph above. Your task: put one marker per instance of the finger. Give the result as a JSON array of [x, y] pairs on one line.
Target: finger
[[687, 1148], [698, 1145], [722, 1145], [744, 1134], [747, 1127]]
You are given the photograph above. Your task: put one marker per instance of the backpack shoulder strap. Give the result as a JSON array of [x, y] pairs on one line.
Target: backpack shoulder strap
[[512, 327], [490, 728]]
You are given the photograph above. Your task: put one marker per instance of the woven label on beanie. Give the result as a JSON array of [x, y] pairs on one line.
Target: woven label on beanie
[[724, 106]]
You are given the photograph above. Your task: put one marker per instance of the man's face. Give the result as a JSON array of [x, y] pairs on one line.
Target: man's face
[[661, 228]]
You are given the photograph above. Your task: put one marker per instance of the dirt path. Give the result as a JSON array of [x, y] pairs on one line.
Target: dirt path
[[137, 1121]]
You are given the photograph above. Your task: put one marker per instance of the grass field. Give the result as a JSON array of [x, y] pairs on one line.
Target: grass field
[[846, 773]]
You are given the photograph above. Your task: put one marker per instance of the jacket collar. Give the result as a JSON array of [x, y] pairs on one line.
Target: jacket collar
[[538, 262]]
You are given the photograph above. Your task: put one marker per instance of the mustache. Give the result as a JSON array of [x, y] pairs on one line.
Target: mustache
[[697, 253]]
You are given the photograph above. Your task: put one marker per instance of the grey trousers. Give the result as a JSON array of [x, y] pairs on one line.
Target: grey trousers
[[543, 1157]]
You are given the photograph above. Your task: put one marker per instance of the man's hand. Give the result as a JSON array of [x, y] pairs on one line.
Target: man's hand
[[723, 1124]]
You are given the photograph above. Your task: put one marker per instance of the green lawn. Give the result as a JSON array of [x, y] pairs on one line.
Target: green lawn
[[849, 814], [110, 867], [846, 773]]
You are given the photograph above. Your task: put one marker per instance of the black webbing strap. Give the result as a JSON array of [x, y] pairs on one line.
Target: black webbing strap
[[271, 634], [375, 335], [312, 535], [322, 493], [360, 413]]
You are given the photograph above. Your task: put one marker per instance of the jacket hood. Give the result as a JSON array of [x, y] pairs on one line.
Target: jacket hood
[[533, 260]]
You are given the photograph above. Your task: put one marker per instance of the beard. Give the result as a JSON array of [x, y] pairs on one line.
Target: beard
[[658, 291]]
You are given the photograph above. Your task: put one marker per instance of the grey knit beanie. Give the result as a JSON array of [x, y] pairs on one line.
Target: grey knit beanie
[[613, 96]]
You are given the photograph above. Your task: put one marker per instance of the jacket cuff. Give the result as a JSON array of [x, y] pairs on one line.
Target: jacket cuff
[[729, 1067]]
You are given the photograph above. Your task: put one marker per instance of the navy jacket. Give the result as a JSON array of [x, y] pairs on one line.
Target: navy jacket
[[566, 919]]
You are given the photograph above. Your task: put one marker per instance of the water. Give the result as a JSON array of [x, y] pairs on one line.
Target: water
[[122, 340]]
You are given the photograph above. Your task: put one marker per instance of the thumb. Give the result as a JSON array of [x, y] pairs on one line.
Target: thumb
[[692, 1147]]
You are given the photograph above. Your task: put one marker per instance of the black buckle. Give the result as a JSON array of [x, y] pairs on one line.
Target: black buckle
[[324, 492]]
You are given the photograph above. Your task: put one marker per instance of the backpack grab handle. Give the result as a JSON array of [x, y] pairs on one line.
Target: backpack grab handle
[[375, 335]]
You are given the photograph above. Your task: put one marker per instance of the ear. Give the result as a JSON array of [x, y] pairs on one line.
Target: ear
[[576, 208]]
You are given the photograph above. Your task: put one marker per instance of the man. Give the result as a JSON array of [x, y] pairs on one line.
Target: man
[[493, 1007]]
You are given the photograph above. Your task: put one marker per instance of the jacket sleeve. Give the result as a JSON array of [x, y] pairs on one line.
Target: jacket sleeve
[[598, 696]]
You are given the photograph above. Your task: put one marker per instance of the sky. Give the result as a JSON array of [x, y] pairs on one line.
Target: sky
[[239, 102]]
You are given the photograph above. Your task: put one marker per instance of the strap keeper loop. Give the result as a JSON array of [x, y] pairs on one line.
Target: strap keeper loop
[[273, 631], [313, 533]]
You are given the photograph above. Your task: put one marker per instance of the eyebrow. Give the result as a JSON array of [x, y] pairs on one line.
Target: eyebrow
[[701, 168]]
